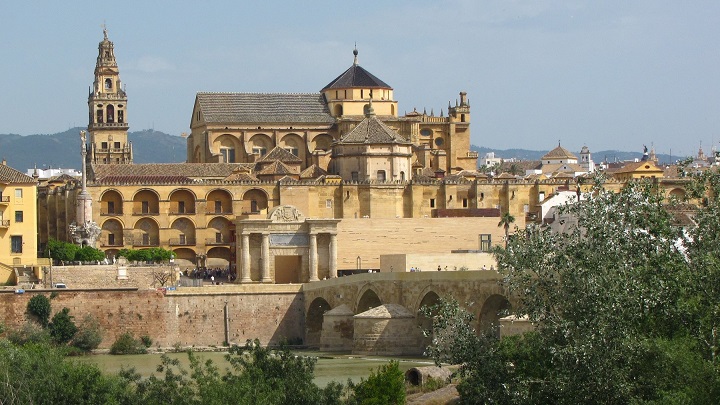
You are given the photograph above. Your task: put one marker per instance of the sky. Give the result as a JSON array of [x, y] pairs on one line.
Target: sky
[[615, 74]]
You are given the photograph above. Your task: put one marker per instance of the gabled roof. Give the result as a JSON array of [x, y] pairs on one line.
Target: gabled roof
[[559, 153], [276, 167], [63, 178], [312, 172], [646, 166], [280, 154], [371, 130], [263, 107], [10, 175], [356, 77]]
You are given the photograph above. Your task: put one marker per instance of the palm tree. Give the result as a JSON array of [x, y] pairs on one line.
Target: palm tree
[[505, 220]]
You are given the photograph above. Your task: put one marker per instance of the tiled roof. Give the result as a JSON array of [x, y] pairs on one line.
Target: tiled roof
[[635, 166], [356, 76], [10, 175], [63, 178], [156, 170], [559, 153], [372, 130], [264, 107], [241, 176], [276, 167], [144, 180], [280, 154], [312, 172]]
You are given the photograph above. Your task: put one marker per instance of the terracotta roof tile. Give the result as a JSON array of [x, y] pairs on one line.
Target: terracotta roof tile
[[10, 175], [312, 172], [180, 170], [280, 154], [372, 131], [559, 153], [264, 107]]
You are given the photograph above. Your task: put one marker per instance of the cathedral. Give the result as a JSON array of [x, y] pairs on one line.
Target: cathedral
[[284, 187]]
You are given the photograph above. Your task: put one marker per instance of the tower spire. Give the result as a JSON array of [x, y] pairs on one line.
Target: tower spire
[[355, 53]]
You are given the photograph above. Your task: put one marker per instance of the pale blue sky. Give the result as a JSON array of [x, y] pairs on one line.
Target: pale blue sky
[[609, 74]]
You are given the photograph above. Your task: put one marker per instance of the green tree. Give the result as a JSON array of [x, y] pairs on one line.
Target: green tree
[[505, 220], [89, 254], [39, 306], [127, 344], [622, 302], [62, 328], [61, 251]]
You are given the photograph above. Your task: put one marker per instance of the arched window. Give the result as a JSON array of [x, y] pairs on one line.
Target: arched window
[[381, 175], [338, 110], [108, 84], [402, 176], [110, 113]]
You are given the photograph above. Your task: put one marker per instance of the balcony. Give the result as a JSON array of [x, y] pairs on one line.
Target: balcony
[[4, 223], [144, 213], [218, 242], [4, 199], [104, 243], [218, 212], [176, 211], [106, 212], [181, 242], [146, 243]]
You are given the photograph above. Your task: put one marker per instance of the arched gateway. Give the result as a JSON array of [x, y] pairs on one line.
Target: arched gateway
[[286, 247]]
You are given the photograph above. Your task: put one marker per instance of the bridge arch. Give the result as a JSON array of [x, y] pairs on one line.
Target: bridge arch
[[427, 299], [494, 308], [368, 300], [314, 321]]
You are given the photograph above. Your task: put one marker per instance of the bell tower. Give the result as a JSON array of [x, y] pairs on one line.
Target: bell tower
[[107, 104]]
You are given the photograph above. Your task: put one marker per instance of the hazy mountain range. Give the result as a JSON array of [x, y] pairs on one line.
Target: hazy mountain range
[[62, 150]]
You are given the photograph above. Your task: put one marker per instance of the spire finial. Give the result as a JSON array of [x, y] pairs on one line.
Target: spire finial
[[355, 53], [104, 31]]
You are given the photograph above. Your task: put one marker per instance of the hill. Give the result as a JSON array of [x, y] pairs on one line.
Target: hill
[[62, 150]]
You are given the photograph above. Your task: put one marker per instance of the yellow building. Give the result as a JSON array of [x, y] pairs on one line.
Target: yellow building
[[292, 187], [18, 223]]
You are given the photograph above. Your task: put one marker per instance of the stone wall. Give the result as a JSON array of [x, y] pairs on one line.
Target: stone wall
[[431, 261], [369, 238], [106, 276], [188, 317]]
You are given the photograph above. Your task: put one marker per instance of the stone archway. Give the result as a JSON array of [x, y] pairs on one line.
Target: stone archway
[[314, 321], [424, 322], [494, 308], [368, 300]]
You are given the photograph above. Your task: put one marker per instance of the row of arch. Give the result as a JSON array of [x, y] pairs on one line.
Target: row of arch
[[147, 201], [233, 150], [182, 232], [494, 307]]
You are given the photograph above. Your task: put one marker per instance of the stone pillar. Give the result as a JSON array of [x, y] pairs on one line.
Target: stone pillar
[[245, 258], [333, 255], [313, 258], [266, 258]]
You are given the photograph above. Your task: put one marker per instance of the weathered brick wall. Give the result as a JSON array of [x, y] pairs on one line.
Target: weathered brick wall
[[191, 317]]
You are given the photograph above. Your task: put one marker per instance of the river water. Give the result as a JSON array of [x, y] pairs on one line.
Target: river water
[[330, 367]]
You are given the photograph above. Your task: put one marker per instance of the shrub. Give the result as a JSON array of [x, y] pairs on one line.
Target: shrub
[[89, 335], [39, 306], [127, 344], [386, 386], [62, 251], [29, 333], [146, 340], [62, 328]]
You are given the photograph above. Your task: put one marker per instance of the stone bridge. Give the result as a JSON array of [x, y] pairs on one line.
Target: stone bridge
[[478, 291]]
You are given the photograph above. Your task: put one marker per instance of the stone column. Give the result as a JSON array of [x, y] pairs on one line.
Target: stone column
[[313, 258], [245, 258], [266, 258], [333, 255]]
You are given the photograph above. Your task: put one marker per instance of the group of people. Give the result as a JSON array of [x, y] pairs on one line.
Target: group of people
[[215, 275]]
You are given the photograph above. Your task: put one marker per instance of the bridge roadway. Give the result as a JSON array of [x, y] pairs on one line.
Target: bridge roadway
[[478, 291]]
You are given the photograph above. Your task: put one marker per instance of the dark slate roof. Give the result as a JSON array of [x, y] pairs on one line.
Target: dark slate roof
[[156, 171], [371, 130], [356, 76], [280, 154], [10, 175], [264, 107]]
